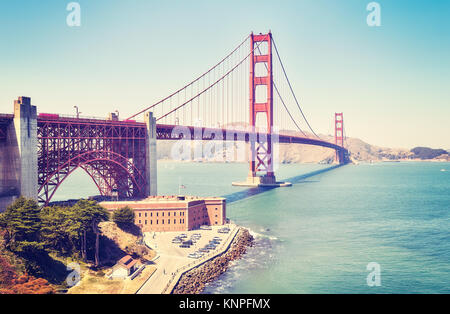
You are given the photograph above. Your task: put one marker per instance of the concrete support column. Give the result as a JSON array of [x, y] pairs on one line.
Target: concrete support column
[[151, 155], [25, 125]]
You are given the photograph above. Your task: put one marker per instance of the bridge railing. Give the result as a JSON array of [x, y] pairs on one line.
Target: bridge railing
[[81, 117]]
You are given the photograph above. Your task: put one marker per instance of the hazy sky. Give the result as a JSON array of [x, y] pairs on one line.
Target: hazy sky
[[392, 82]]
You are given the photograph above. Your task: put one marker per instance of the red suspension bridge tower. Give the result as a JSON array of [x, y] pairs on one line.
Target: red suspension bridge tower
[[339, 136], [261, 150]]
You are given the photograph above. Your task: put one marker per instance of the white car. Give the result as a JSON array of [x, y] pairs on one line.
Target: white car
[[194, 255]]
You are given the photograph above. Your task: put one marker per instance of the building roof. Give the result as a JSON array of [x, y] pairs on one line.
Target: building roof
[[165, 200], [127, 261]]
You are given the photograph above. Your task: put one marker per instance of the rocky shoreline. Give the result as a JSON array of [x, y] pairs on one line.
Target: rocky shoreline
[[194, 281]]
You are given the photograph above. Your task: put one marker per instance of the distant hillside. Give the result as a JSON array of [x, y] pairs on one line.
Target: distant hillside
[[428, 153]]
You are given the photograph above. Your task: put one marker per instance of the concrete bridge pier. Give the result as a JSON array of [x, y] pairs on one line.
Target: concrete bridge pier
[[151, 156], [25, 125], [18, 155]]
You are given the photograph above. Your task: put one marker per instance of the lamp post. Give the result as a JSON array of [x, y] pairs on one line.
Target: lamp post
[[78, 112]]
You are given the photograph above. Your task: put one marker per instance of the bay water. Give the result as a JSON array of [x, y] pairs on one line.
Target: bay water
[[319, 235]]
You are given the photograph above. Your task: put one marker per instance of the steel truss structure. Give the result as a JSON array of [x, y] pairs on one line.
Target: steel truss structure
[[111, 152]]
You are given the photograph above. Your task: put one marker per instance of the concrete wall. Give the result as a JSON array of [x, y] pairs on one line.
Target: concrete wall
[[18, 155], [9, 164], [9, 168], [151, 155], [25, 124]]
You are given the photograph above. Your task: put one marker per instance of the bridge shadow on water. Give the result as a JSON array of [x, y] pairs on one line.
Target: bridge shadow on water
[[237, 196]]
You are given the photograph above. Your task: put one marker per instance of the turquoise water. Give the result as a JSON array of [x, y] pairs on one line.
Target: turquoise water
[[319, 235]]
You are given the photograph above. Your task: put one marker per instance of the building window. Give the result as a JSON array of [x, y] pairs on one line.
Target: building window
[[139, 214], [157, 222], [151, 214], [175, 213], [151, 222], [168, 221], [168, 214], [145, 221], [139, 222], [163, 221], [163, 214], [145, 214]]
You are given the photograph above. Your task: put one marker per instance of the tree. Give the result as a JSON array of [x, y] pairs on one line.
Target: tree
[[89, 214], [22, 224], [60, 229], [123, 215]]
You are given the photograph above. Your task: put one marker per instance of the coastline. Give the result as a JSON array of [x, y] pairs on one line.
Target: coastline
[[194, 280]]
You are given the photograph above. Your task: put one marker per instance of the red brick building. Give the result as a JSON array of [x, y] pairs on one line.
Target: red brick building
[[174, 213]]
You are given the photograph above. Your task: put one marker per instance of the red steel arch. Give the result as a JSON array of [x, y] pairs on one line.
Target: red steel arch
[[111, 152]]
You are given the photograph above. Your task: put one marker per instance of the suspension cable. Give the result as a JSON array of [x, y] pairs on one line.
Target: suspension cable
[[209, 87], [282, 101], [193, 82], [292, 90]]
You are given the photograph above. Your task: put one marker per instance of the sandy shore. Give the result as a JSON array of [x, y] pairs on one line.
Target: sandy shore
[[194, 280]]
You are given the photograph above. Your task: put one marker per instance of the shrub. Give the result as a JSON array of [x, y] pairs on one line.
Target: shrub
[[123, 215]]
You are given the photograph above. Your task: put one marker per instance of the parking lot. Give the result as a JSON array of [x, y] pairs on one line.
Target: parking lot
[[162, 242], [171, 258]]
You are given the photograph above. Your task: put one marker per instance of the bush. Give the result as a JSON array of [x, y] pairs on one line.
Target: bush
[[123, 216]]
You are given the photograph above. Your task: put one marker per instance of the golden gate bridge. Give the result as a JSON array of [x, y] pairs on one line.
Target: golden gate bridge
[[246, 94]]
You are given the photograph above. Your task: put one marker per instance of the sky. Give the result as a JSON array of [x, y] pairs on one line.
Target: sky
[[392, 82]]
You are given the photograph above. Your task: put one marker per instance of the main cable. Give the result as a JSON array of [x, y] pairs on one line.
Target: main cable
[[193, 82], [292, 90]]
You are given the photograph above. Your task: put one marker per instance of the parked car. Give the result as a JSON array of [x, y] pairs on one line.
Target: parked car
[[194, 255], [177, 240], [224, 230], [184, 246], [183, 236], [188, 242], [217, 239], [204, 250], [205, 227]]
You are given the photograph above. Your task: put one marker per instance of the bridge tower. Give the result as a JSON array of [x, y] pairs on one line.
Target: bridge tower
[[261, 155], [339, 136], [261, 147]]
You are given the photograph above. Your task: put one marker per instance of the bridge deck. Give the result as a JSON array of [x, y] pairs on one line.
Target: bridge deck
[[166, 132]]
